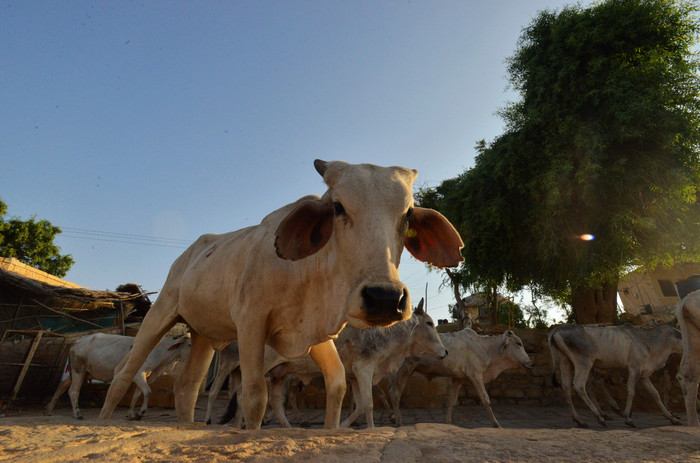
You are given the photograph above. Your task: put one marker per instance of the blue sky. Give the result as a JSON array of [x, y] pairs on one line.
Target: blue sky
[[167, 120]]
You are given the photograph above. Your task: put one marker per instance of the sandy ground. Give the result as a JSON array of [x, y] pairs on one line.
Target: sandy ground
[[542, 434]]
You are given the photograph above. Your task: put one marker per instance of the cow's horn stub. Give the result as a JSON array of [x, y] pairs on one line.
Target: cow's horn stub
[[320, 166]]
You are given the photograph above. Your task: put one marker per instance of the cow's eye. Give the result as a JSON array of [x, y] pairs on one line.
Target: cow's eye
[[409, 212], [430, 324], [338, 208]]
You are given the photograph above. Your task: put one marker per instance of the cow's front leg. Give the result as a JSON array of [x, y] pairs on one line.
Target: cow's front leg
[[452, 397], [632, 379], [646, 384], [153, 328], [357, 410], [478, 382], [215, 388], [187, 385], [326, 358], [278, 389], [253, 391]]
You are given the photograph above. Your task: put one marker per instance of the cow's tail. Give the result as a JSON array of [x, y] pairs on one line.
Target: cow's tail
[[688, 315], [230, 410], [555, 358]]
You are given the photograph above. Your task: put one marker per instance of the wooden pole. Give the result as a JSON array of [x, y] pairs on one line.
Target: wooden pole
[[25, 368], [67, 315]]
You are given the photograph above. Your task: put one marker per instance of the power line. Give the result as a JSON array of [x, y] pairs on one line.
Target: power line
[[123, 241], [125, 235], [126, 238]]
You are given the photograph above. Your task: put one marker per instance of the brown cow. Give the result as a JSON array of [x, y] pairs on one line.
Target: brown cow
[[293, 282]]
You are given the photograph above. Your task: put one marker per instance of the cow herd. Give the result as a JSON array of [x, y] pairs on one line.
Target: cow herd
[[314, 291]]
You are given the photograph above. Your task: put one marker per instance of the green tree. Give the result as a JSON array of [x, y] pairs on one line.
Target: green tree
[[603, 141], [31, 242]]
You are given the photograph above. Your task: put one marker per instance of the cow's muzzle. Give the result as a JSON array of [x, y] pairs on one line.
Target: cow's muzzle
[[384, 306]]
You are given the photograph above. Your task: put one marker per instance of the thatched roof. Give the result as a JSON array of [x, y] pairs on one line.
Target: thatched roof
[[26, 303]]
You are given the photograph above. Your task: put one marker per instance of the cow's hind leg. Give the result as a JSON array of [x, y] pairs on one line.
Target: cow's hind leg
[[646, 384], [187, 384], [566, 373], [580, 379], [142, 387], [153, 328], [78, 375], [65, 384]]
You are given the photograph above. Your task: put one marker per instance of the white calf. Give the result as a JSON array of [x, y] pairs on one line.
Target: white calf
[[474, 358], [97, 355]]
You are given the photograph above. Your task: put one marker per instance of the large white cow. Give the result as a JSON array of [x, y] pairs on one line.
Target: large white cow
[[688, 316], [474, 358], [293, 281], [97, 355], [576, 349]]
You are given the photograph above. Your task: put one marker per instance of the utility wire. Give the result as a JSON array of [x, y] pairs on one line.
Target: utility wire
[[127, 238]]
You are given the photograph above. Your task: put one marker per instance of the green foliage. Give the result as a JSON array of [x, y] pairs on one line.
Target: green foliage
[[31, 242], [603, 140], [512, 313]]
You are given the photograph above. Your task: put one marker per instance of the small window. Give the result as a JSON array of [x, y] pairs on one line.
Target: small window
[[667, 288]]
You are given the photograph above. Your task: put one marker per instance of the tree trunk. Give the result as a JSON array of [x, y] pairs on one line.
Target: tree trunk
[[597, 305], [493, 306], [465, 319]]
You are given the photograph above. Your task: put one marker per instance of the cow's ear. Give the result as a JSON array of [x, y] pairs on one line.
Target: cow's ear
[[305, 230], [432, 239], [419, 309]]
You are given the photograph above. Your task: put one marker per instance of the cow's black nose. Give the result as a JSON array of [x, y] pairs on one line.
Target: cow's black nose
[[384, 305]]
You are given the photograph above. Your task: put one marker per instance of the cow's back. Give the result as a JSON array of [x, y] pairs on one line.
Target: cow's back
[[101, 353]]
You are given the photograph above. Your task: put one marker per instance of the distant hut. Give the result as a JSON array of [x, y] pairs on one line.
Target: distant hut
[[40, 316]]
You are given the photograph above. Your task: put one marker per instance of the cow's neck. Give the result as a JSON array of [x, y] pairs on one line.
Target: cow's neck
[[495, 361]]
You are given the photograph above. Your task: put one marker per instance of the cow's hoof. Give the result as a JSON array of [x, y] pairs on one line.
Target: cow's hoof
[[79, 417], [208, 421], [603, 423], [581, 424], [630, 424], [676, 421], [134, 418]]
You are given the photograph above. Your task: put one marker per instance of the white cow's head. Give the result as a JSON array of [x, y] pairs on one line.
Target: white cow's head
[[363, 221]]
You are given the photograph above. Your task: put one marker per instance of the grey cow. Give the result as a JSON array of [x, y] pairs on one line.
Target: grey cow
[[576, 349], [472, 357], [368, 355]]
